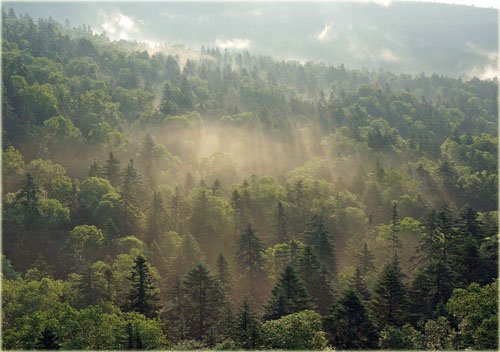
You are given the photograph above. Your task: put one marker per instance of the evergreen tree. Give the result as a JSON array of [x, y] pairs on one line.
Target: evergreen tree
[[112, 170], [147, 157], [282, 228], [248, 328], [320, 238], [428, 246], [223, 273], [203, 301], [249, 259], [143, 295], [445, 228], [315, 277], [131, 192], [389, 304], [430, 290], [357, 283], [364, 260], [349, 325], [395, 241], [470, 225], [288, 296], [48, 340], [157, 218], [176, 207]]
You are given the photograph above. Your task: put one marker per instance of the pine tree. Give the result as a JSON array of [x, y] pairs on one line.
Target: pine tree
[[364, 260], [203, 301], [176, 207], [430, 290], [349, 326], [315, 277], [389, 305], [112, 170], [470, 225], [395, 241], [357, 283], [131, 192], [319, 237], [223, 273], [248, 328], [240, 213], [143, 295], [48, 340], [445, 227], [157, 218], [427, 249], [147, 154], [282, 228], [249, 258], [288, 296]]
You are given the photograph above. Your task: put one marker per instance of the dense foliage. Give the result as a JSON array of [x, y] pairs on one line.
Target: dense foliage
[[233, 201]]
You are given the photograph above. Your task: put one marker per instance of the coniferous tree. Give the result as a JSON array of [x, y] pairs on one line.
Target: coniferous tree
[[157, 218], [445, 226], [176, 207], [288, 296], [223, 273], [203, 300], [320, 238], [131, 192], [349, 325], [112, 170], [315, 277], [147, 158], [282, 226], [364, 260], [428, 246], [249, 259], [395, 241], [389, 304], [143, 295], [357, 282], [248, 328]]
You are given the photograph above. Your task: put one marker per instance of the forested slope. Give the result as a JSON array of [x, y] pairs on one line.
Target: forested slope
[[232, 201]]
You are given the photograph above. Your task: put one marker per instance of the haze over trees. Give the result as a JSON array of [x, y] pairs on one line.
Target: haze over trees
[[234, 201]]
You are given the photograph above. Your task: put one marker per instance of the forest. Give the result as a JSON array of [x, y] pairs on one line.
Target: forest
[[229, 201]]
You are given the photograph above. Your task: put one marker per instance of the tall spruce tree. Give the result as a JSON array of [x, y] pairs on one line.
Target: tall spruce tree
[[315, 277], [389, 304], [357, 283], [131, 191], [249, 259], [248, 328], [203, 301], [349, 326], [112, 170], [223, 273], [320, 238], [288, 296], [143, 295], [282, 225], [157, 218], [364, 260]]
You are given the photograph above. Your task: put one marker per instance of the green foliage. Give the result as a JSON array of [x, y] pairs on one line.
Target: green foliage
[[298, 331], [476, 309]]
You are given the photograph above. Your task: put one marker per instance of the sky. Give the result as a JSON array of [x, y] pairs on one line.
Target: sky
[[400, 36]]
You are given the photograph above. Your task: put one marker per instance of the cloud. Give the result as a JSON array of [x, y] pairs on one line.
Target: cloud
[[118, 26], [235, 43], [326, 34], [388, 55], [490, 68]]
